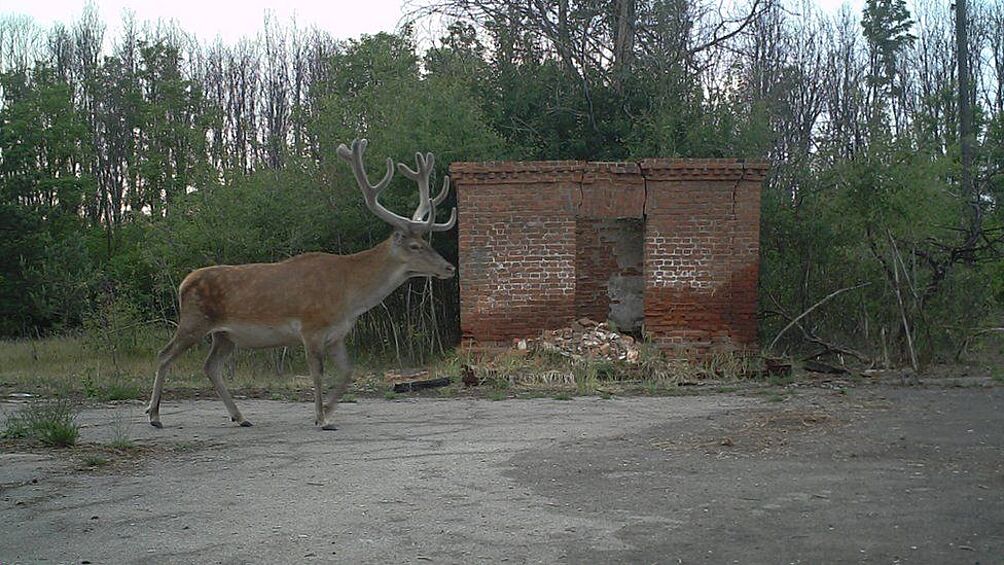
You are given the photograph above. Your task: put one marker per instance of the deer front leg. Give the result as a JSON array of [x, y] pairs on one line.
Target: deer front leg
[[341, 359]]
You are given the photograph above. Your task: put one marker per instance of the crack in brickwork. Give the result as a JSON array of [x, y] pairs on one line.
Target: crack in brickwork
[[539, 244]]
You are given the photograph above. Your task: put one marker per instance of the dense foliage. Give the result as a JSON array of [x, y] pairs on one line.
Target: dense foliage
[[123, 168]]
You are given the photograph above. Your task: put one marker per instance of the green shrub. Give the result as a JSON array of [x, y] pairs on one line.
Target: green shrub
[[114, 327], [52, 423], [110, 392]]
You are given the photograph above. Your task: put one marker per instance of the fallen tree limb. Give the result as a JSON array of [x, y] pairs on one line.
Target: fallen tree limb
[[826, 299], [832, 347], [969, 339], [811, 337]]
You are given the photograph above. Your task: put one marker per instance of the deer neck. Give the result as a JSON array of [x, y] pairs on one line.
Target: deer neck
[[386, 273]]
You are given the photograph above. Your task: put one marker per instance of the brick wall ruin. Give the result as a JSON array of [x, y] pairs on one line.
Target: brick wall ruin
[[666, 246]]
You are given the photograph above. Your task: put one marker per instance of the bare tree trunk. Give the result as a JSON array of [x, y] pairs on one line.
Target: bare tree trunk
[[966, 123], [899, 300], [623, 42]]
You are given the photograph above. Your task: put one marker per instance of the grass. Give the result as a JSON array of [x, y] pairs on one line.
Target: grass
[[449, 391], [562, 396], [780, 380], [112, 391], [122, 444], [121, 428], [732, 365], [69, 363], [653, 387], [95, 460], [390, 395], [73, 365], [548, 372], [47, 422], [997, 375], [587, 376]]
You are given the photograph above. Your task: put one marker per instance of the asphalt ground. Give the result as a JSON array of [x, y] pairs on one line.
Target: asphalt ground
[[876, 474]]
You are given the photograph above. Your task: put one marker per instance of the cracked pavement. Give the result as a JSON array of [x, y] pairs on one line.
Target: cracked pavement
[[878, 475]]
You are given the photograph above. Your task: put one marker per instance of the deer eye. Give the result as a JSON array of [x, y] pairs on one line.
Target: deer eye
[[414, 246]]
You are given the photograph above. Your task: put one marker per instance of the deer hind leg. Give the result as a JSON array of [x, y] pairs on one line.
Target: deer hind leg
[[341, 359], [180, 343], [315, 362], [222, 348]]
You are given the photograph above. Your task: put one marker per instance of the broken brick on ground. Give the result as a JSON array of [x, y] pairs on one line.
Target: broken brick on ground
[[585, 338]]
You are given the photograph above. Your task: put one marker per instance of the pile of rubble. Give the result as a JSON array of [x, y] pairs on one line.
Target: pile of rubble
[[586, 338]]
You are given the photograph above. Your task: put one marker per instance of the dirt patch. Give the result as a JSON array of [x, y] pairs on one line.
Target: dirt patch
[[760, 435], [880, 475], [26, 463], [764, 431]]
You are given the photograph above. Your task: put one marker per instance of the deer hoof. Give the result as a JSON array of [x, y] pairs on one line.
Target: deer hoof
[[156, 424], [240, 420], [329, 427]]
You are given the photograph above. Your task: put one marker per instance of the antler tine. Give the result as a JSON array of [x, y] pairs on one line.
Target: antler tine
[[425, 165], [439, 200], [426, 213], [355, 157], [442, 193], [372, 192], [449, 223], [426, 210]]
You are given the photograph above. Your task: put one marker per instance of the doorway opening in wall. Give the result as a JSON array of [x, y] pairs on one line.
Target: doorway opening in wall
[[609, 270]]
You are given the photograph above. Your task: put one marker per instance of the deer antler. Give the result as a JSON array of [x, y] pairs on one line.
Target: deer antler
[[426, 211], [371, 192], [424, 218]]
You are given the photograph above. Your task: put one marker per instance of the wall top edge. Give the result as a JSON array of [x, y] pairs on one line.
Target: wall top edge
[[682, 168]]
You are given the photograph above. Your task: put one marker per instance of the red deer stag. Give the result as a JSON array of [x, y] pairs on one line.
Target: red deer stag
[[313, 299]]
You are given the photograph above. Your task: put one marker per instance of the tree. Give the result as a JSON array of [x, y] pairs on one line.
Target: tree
[[886, 25], [44, 144]]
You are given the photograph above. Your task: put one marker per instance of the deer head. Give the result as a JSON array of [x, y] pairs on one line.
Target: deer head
[[408, 244]]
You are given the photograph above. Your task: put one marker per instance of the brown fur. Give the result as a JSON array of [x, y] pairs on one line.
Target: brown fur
[[312, 299], [312, 287]]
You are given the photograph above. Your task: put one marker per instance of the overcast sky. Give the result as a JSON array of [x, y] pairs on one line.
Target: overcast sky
[[230, 20]]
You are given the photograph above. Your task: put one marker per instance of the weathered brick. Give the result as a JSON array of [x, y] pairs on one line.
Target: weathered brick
[[542, 243]]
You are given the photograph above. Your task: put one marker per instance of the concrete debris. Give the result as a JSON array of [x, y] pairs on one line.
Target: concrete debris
[[585, 338]]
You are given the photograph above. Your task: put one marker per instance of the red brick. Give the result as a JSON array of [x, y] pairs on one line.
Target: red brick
[[535, 251]]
